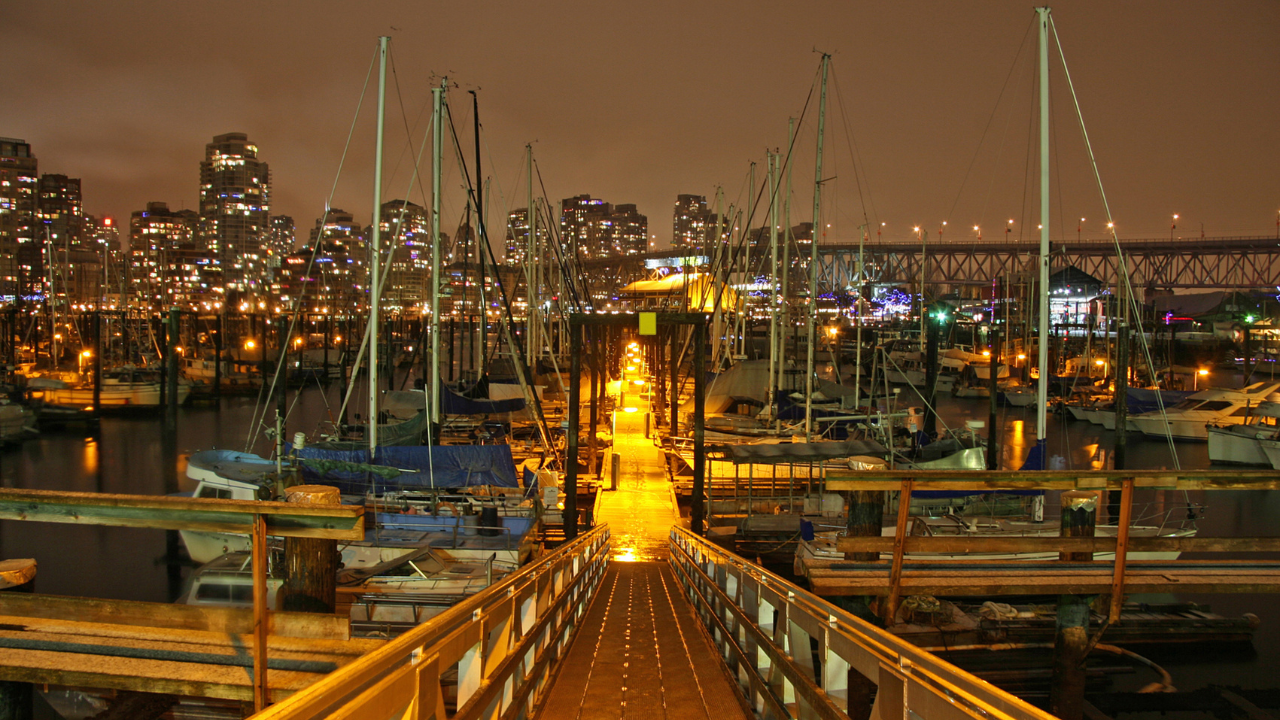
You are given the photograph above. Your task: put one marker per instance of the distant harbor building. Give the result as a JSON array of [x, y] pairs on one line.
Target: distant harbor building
[[18, 181], [629, 231], [235, 202]]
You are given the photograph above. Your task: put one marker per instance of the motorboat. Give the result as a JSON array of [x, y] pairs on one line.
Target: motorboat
[[1188, 419], [1241, 443]]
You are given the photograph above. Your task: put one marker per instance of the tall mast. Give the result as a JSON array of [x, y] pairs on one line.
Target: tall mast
[[375, 263], [531, 325], [483, 268], [1042, 359], [437, 145], [786, 263], [813, 256], [773, 284]]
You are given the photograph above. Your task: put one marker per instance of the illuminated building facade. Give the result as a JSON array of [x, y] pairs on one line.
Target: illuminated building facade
[[282, 236], [167, 261], [18, 182], [406, 227], [518, 237], [327, 275], [235, 202], [592, 228], [689, 222]]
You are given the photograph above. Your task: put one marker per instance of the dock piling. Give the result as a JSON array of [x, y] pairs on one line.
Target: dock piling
[[311, 565], [1071, 641]]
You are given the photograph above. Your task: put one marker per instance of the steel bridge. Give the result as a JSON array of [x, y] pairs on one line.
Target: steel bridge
[[1212, 262]]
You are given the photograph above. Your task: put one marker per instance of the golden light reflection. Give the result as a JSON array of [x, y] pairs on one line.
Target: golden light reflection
[[627, 554], [637, 382], [631, 368], [628, 409], [90, 456]]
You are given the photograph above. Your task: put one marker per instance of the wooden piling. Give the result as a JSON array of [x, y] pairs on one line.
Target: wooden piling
[[993, 430], [697, 511], [1070, 645], [171, 373], [311, 565]]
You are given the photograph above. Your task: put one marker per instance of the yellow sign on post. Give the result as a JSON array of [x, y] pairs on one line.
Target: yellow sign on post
[[648, 323]]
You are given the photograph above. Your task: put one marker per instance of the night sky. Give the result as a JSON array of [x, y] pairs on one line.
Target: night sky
[[639, 101]]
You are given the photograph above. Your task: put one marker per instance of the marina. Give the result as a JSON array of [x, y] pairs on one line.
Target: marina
[[497, 456]]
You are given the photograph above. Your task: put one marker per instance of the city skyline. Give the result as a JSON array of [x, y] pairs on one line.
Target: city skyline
[[666, 111]]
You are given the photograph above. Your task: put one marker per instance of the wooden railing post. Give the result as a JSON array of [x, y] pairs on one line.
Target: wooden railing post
[[899, 550], [1122, 550], [260, 619]]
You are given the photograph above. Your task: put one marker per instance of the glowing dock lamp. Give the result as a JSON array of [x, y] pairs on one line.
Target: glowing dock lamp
[[249, 344], [637, 382], [833, 331], [1201, 373], [631, 368]]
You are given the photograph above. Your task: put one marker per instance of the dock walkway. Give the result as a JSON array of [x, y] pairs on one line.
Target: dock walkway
[[640, 652]]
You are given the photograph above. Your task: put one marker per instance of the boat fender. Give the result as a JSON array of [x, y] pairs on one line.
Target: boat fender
[[806, 530]]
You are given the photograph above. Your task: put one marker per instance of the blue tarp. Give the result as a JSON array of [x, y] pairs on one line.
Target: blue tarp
[[454, 404], [448, 465]]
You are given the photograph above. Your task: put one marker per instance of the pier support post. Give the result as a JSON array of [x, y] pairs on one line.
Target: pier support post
[[993, 379], [311, 565], [570, 515], [217, 356], [931, 375], [171, 373], [698, 510], [1071, 641], [1122, 416]]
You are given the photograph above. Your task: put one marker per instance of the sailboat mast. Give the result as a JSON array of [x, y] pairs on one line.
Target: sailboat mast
[[483, 269], [376, 249], [1042, 358], [773, 284], [787, 329], [813, 256], [531, 325], [437, 146]]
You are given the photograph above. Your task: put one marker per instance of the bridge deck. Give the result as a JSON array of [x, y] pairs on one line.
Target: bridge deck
[[640, 652]]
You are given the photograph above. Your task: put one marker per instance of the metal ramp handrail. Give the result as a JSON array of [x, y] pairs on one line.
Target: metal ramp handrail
[[502, 645], [757, 620]]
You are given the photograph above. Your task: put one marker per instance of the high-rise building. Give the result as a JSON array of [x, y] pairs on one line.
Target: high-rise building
[[628, 231], [689, 222], [18, 181], [166, 259], [328, 273], [592, 228], [235, 202], [103, 236], [281, 238], [405, 226], [583, 227], [518, 237]]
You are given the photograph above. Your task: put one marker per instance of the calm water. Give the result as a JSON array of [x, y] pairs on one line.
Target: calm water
[[131, 564]]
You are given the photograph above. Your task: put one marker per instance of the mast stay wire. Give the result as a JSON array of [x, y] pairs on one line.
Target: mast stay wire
[[1115, 238], [255, 420]]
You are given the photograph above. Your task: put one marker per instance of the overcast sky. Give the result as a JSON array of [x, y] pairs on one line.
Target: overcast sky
[[929, 114]]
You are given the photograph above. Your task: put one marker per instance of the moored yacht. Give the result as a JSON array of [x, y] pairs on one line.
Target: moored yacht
[[1188, 419]]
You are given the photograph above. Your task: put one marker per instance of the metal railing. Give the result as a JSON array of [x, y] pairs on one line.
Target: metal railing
[[796, 655], [490, 656]]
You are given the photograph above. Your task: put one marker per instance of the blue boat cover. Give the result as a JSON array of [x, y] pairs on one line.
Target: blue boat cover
[[454, 404], [421, 466]]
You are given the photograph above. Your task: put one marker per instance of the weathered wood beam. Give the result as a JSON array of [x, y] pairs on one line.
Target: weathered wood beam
[[991, 480], [340, 522], [885, 544]]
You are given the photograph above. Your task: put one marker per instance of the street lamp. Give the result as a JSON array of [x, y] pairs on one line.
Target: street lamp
[[1079, 227], [979, 231], [1008, 228], [1202, 372], [1173, 226]]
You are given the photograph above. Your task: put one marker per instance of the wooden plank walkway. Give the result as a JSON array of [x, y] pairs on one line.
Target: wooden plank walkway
[[640, 652], [164, 648]]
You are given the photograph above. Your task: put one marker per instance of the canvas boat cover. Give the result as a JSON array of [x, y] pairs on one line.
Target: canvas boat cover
[[421, 466], [801, 452]]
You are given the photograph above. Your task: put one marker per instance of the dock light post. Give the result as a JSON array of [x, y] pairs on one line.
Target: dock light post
[[1201, 373]]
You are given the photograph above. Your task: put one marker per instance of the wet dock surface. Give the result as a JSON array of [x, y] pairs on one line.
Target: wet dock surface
[[640, 652]]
